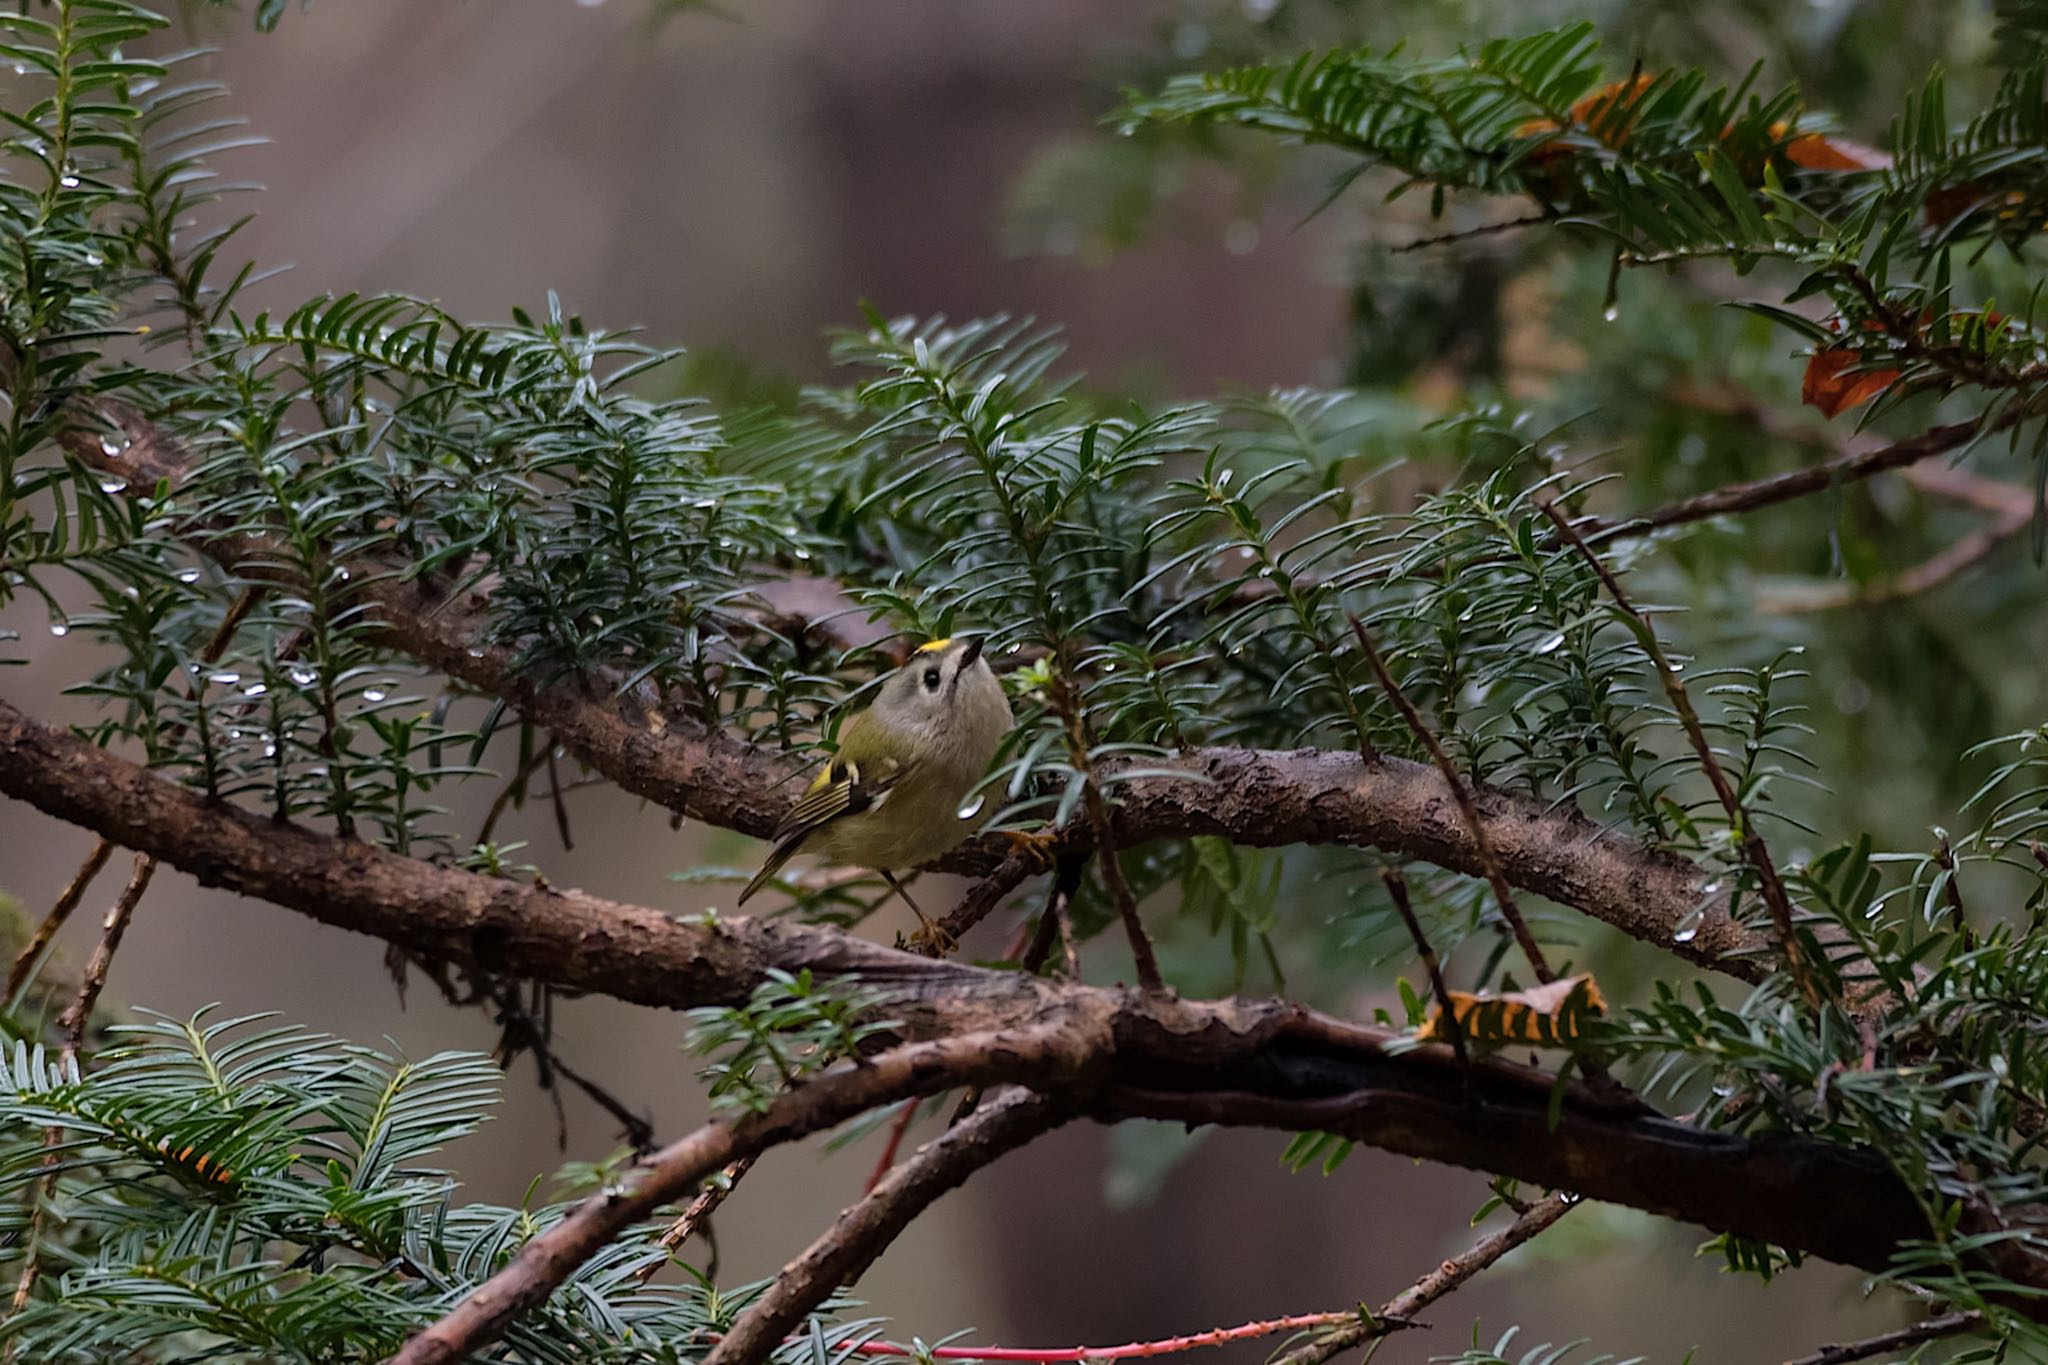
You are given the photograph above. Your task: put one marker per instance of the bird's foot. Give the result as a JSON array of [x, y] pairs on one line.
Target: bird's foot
[[1038, 850]]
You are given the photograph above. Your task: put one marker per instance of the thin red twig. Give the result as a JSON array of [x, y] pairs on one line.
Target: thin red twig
[[893, 1145], [1130, 1350]]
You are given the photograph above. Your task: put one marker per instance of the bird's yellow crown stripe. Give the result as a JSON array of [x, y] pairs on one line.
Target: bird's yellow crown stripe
[[934, 646]]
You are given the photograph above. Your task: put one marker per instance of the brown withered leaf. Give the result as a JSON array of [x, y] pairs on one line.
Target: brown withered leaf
[[1543, 1015]]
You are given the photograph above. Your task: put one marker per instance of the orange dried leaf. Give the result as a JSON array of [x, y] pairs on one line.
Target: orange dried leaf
[[1834, 384], [1818, 152], [1542, 1015]]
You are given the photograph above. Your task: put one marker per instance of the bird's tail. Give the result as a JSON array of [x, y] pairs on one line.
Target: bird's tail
[[777, 856]]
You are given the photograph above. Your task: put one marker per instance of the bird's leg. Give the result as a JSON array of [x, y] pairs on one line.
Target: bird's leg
[[1039, 849], [928, 932]]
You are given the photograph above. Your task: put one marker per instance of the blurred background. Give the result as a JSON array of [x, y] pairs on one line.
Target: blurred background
[[738, 182]]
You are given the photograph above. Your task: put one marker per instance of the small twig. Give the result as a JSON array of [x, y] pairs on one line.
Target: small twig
[[523, 1031], [1397, 891], [1147, 964], [1446, 1277], [984, 896], [894, 1145], [512, 790], [555, 795], [692, 1219], [67, 901], [1937, 569], [1068, 704], [1056, 918], [1483, 230], [71, 1024], [1776, 899], [860, 1234], [1482, 844], [1884, 1343], [1845, 468], [1130, 1350]]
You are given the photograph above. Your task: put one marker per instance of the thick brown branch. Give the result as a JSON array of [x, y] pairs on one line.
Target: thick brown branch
[[862, 1232], [1042, 1055], [1255, 797], [1230, 1061]]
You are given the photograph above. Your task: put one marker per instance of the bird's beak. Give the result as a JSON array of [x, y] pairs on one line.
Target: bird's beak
[[972, 652]]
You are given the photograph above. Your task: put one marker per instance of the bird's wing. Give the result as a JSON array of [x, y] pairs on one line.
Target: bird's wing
[[841, 788]]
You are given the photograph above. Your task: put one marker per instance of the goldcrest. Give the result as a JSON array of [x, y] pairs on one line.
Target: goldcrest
[[891, 798]]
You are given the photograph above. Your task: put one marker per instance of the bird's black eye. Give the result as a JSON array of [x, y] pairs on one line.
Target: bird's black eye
[[931, 680]]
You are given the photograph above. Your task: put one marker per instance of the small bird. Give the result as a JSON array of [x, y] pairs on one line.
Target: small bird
[[892, 795]]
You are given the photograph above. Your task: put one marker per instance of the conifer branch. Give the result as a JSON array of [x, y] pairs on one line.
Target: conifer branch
[[1489, 864], [862, 1232], [1754, 851]]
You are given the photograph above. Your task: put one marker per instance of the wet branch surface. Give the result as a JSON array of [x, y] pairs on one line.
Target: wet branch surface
[[1128, 1055]]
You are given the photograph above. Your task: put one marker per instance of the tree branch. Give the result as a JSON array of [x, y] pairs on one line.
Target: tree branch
[[1884, 1343], [1433, 1286], [1261, 798], [1245, 1062], [862, 1232], [546, 1262], [1848, 467]]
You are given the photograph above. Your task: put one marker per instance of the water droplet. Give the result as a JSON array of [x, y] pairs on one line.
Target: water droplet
[[304, 677], [1109, 668], [69, 179], [1223, 479], [270, 751], [1724, 1090], [1012, 648], [802, 553], [1611, 312], [971, 808], [1266, 571], [188, 575], [475, 651], [1244, 552], [94, 258], [1550, 644], [1685, 935], [255, 690], [113, 485], [374, 694], [60, 629], [704, 502], [342, 573], [225, 679]]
